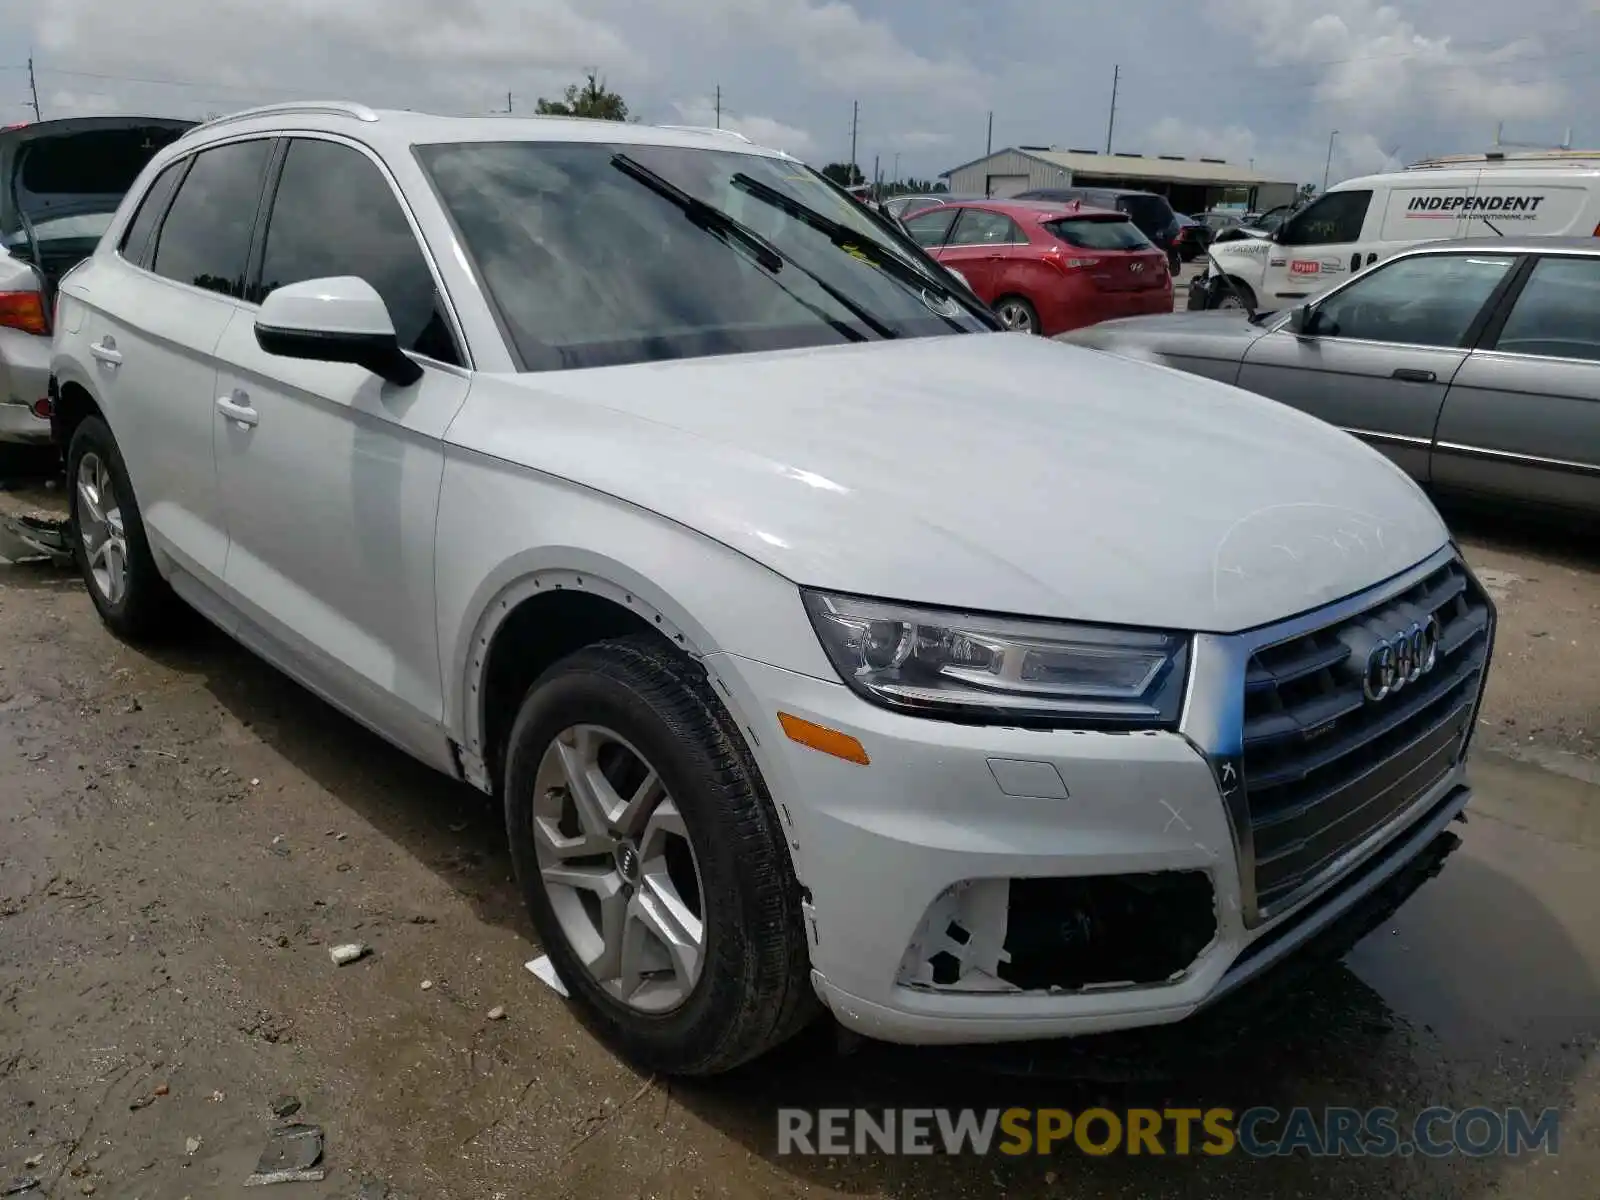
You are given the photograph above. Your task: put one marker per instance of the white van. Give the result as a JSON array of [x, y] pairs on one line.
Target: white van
[[1359, 221]]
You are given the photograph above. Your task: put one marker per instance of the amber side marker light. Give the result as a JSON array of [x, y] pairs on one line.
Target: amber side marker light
[[820, 737]]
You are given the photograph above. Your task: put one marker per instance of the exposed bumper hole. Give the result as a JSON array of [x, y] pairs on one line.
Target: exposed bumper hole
[[1106, 930]]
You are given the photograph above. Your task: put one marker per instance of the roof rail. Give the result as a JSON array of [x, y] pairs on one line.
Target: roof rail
[[708, 129], [325, 108]]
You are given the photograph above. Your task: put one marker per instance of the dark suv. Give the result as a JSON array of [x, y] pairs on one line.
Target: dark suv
[[1150, 212]]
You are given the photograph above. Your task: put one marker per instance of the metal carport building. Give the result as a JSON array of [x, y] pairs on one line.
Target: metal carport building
[[1191, 184]]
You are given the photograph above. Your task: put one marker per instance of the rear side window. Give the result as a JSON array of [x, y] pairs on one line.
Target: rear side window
[[136, 239], [205, 240], [1089, 234], [929, 229], [980, 227], [1558, 312], [335, 214], [1334, 219]]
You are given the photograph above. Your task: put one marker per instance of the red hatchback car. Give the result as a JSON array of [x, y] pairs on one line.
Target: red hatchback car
[[1047, 267]]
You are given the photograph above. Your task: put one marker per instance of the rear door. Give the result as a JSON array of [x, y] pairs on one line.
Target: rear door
[[154, 316], [1378, 355], [978, 246], [1556, 202], [1523, 416]]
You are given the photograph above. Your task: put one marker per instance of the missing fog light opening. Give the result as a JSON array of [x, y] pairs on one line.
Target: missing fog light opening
[[1074, 934]]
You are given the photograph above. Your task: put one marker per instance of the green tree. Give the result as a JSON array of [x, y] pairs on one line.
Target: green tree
[[587, 99], [844, 174], [1307, 190]]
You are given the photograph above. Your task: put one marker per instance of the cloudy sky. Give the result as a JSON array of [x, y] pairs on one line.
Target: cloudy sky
[[1262, 80]]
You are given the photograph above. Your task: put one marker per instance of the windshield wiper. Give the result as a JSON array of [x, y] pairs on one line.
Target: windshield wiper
[[847, 239], [767, 256]]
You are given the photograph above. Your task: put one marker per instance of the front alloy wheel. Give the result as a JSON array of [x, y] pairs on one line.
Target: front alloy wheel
[[619, 869], [652, 860]]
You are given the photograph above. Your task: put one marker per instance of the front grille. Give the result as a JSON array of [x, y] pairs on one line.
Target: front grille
[[1325, 766]]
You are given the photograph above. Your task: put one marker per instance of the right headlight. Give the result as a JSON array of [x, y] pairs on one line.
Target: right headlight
[[1002, 670]]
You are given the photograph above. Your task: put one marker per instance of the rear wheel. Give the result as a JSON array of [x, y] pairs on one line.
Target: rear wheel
[[108, 538], [1017, 315], [652, 861]]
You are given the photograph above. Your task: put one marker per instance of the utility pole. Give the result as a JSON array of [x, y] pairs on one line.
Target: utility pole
[[877, 179], [896, 178], [1111, 122], [719, 106], [508, 101], [1327, 166], [988, 142], [33, 86], [855, 120]]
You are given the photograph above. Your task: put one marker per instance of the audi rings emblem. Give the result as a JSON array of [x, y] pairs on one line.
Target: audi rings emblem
[[1401, 658]]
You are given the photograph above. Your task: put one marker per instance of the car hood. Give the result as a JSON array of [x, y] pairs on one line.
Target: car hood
[[1218, 334], [992, 472]]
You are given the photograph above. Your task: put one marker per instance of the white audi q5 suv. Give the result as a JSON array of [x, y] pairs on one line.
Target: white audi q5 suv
[[827, 646]]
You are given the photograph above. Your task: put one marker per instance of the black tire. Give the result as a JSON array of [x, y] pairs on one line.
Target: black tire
[[147, 606], [1025, 311], [753, 991], [1239, 296]]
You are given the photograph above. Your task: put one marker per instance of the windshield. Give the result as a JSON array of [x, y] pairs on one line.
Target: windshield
[[597, 254], [1104, 233]]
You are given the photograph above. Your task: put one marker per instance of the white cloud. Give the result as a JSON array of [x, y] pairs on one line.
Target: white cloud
[[923, 139], [764, 131], [1370, 65], [413, 52], [79, 104], [836, 46]]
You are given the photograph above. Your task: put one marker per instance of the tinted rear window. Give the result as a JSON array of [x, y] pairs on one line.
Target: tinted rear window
[[96, 163], [1089, 233]]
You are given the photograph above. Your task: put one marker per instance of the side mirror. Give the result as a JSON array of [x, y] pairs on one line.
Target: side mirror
[[341, 319], [1302, 320]]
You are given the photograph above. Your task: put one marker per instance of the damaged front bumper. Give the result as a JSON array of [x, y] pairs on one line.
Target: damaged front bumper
[[983, 884]]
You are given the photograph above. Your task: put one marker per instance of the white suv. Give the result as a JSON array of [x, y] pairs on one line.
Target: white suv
[[980, 686]]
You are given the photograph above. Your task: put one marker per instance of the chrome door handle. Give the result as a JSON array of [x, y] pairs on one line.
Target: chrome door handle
[[106, 351], [237, 408]]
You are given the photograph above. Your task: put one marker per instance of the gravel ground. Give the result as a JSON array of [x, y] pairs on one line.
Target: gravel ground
[[184, 834]]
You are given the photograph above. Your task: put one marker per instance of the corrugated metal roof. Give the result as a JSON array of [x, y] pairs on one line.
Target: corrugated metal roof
[[1138, 166]]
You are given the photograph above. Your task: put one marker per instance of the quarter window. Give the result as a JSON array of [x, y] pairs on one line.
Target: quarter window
[[1558, 312], [137, 238], [980, 227], [335, 214], [205, 239], [1335, 219], [1428, 300]]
